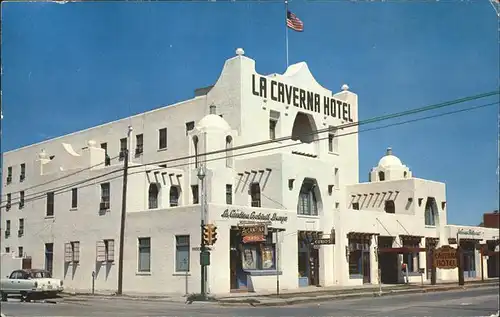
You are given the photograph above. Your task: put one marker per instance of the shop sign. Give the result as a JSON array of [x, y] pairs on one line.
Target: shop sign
[[323, 241], [445, 257], [238, 214], [470, 232], [253, 234]]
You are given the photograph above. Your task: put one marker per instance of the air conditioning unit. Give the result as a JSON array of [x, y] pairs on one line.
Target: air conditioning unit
[[7, 206], [138, 150], [9, 179], [7, 233], [22, 177], [104, 205], [21, 204], [20, 232]]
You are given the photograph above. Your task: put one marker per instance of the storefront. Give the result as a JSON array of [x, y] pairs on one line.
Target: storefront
[[492, 249], [308, 258], [359, 255], [253, 252]]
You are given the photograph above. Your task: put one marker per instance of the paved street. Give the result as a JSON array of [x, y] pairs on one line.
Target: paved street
[[475, 302]]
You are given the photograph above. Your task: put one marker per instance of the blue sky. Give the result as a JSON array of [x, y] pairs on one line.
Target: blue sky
[[73, 66]]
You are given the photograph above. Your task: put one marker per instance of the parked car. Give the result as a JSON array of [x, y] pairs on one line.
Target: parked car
[[29, 283]]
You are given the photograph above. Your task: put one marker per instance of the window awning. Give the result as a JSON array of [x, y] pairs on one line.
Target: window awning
[[401, 250]]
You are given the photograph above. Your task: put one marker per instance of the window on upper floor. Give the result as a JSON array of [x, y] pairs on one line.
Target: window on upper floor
[[21, 227], [21, 199], [9, 202], [195, 193], [390, 207], [153, 195], [189, 126], [405, 174], [229, 151], [74, 198], [107, 159], [9, 175], [381, 176], [431, 212], [162, 138], [195, 148], [20, 252], [229, 194], [7, 228], [174, 196], [336, 175], [22, 176], [308, 203], [274, 117], [139, 144], [105, 196], [123, 148], [50, 204], [255, 195], [333, 140]]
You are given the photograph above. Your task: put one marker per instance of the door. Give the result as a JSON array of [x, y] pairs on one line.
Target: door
[[234, 275], [314, 267], [365, 259]]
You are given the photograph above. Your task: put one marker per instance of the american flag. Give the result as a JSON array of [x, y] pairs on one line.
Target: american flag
[[293, 22]]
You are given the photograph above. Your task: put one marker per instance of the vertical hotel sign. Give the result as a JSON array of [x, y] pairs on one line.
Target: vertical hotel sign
[[300, 98]]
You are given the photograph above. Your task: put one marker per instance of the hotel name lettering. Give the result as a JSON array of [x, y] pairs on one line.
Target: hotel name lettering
[[238, 214], [300, 98]]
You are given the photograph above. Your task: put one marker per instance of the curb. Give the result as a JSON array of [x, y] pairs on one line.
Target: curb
[[324, 298]]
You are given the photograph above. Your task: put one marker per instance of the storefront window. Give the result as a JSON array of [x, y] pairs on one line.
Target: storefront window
[[355, 262], [258, 256], [412, 260], [358, 249]]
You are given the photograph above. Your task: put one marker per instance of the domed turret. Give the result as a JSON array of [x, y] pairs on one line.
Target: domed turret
[[213, 122], [389, 167], [389, 160]]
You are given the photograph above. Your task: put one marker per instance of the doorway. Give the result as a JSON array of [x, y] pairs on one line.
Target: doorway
[[388, 261], [469, 258], [308, 260]]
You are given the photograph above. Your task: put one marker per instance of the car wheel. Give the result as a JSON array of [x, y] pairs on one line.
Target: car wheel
[[4, 296], [24, 297]]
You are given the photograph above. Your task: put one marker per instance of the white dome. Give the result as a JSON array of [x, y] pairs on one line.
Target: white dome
[[390, 160], [213, 122]]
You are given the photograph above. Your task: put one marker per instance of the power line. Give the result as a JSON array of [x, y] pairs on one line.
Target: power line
[[68, 187], [342, 126]]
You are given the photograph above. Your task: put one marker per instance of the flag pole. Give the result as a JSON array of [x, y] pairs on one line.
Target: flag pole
[[286, 31]]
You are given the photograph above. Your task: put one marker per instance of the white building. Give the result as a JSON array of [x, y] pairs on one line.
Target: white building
[[63, 197]]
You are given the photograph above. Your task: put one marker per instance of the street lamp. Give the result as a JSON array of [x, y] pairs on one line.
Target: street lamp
[[201, 176]]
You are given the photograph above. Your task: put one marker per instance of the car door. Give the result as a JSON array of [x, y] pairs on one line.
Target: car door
[[15, 281], [24, 281]]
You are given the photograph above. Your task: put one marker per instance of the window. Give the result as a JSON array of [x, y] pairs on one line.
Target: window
[[333, 141], [107, 159], [229, 194], [50, 204], [72, 252], [74, 197], [21, 199], [195, 192], [144, 264], [229, 151], [259, 256], [358, 254], [7, 249], [272, 129], [430, 212], [412, 259], [162, 139], [105, 196], [390, 208], [123, 148], [174, 196], [255, 195], [405, 174], [105, 250], [9, 201], [139, 144], [212, 109], [355, 206], [9, 175], [22, 176], [336, 177], [49, 257], [195, 145], [189, 126], [7, 228], [307, 199], [153, 196], [20, 252], [21, 227], [381, 176], [182, 253]]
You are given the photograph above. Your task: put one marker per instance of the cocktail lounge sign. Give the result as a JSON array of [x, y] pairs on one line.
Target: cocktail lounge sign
[[300, 98], [469, 232], [258, 216]]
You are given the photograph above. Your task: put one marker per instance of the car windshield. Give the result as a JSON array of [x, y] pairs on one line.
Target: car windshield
[[40, 274]]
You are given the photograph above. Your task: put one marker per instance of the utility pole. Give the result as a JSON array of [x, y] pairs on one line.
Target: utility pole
[[123, 215]]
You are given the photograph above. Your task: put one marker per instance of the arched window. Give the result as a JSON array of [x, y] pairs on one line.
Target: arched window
[[195, 144], [304, 128], [174, 196], [430, 212], [229, 152], [255, 194], [153, 196], [390, 207], [405, 174], [308, 203], [381, 176]]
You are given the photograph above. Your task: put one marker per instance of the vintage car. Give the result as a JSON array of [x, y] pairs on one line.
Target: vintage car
[[30, 283]]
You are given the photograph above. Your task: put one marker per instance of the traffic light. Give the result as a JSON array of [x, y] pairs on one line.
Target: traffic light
[[213, 234], [207, 234]]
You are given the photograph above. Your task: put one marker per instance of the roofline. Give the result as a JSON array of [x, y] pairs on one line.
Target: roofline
[[103, 125]]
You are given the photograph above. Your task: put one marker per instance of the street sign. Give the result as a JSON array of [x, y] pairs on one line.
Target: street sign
[[199, 248], [323, 241], [445, 257]]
